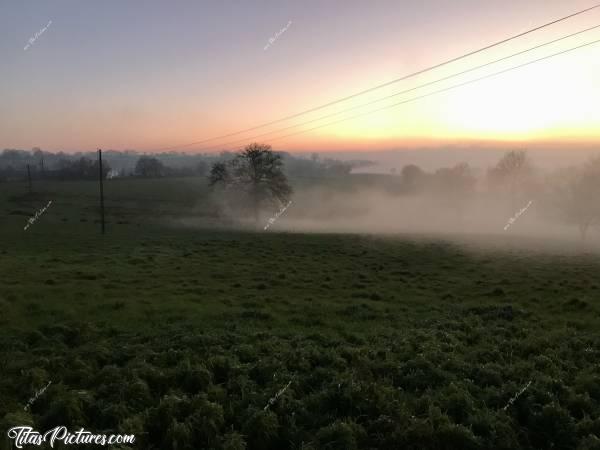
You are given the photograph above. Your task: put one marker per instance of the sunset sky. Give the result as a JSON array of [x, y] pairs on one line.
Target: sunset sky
[[155, 74]]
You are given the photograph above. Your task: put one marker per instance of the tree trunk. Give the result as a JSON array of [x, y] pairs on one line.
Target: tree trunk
[[256, 208]]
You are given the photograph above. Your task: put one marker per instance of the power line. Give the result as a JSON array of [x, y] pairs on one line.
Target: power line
[[439, 91], [405, 77], [407, 90]]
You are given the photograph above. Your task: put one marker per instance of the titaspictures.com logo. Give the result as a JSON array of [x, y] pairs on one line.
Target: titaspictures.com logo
[[28, 436]]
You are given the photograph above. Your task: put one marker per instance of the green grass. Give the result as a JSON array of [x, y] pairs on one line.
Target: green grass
[[182, 336]]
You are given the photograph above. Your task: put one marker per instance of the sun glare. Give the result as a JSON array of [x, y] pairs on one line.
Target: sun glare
[[537, 101]]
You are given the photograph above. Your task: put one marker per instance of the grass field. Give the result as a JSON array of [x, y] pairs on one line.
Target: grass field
[[186, 336]]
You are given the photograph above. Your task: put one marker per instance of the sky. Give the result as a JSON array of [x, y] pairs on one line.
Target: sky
[[152, 75]]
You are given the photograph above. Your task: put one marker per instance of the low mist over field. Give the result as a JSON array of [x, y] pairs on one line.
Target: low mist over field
[[512, 196], [515, 195]]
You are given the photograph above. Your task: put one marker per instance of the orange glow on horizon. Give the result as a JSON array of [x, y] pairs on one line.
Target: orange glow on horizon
[[550, 101]]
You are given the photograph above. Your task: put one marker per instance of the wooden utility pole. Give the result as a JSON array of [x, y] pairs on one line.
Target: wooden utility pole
[[101, 188], [29, 177]]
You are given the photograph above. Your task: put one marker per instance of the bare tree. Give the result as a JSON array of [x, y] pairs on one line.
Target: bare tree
[[256, 173], [148, 166], [218, 174], [513, 171], [578, 197]]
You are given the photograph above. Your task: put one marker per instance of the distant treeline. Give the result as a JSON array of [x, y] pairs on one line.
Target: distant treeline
[[82, 166]]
